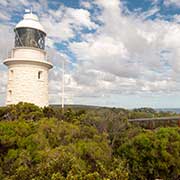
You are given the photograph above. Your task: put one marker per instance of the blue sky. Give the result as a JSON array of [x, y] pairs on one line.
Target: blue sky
[[121, 53]]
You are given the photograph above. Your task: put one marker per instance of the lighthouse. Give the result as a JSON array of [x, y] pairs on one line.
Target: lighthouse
[[27, 64]]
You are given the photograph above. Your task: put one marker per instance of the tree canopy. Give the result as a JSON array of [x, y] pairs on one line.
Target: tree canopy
[[85, 144]]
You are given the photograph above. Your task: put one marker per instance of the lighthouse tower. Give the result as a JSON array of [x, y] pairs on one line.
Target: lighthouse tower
[[27, 65]]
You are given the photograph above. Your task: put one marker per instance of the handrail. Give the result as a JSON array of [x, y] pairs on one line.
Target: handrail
[[155, 119]]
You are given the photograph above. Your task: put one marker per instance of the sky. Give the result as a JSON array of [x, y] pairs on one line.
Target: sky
[[118, 53]]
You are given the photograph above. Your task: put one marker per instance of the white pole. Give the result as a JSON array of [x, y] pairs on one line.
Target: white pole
[[63, 84]]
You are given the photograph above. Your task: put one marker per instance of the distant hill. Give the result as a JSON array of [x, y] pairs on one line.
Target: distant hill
[[175, 110], [80, 106]]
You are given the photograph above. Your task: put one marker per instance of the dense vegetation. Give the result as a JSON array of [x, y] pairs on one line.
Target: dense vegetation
[[85, 144]]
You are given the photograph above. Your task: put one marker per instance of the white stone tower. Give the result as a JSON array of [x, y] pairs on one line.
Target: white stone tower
[[27, 65]]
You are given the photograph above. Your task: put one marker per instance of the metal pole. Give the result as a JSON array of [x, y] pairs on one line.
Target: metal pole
[[63, 85]]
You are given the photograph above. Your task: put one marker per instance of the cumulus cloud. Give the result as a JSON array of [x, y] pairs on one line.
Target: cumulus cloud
[[63, 23], [109, 54], [172, 2], [86, 4], [131, 49], [3, 80]]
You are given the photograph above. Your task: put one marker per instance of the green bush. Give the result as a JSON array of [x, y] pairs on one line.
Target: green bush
[[85, 144], [151, 155]]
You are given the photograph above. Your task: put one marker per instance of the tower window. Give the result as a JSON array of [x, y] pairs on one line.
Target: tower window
[[40, 73], [11, 73], [9, 95]]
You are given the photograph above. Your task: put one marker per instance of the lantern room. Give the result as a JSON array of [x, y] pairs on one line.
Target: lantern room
[[30, 33]]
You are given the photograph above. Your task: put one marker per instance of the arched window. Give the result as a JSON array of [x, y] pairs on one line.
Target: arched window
[[9, 96], [40, 74]]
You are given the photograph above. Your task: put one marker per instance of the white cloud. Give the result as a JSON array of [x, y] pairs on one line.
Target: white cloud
[[130, 49], [172, 2], [4, 16], [126, 55], [86, 4], [3, 81], [63, 23]]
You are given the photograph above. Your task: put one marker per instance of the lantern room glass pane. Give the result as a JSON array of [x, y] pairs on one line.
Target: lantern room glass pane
[[28, 37]]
